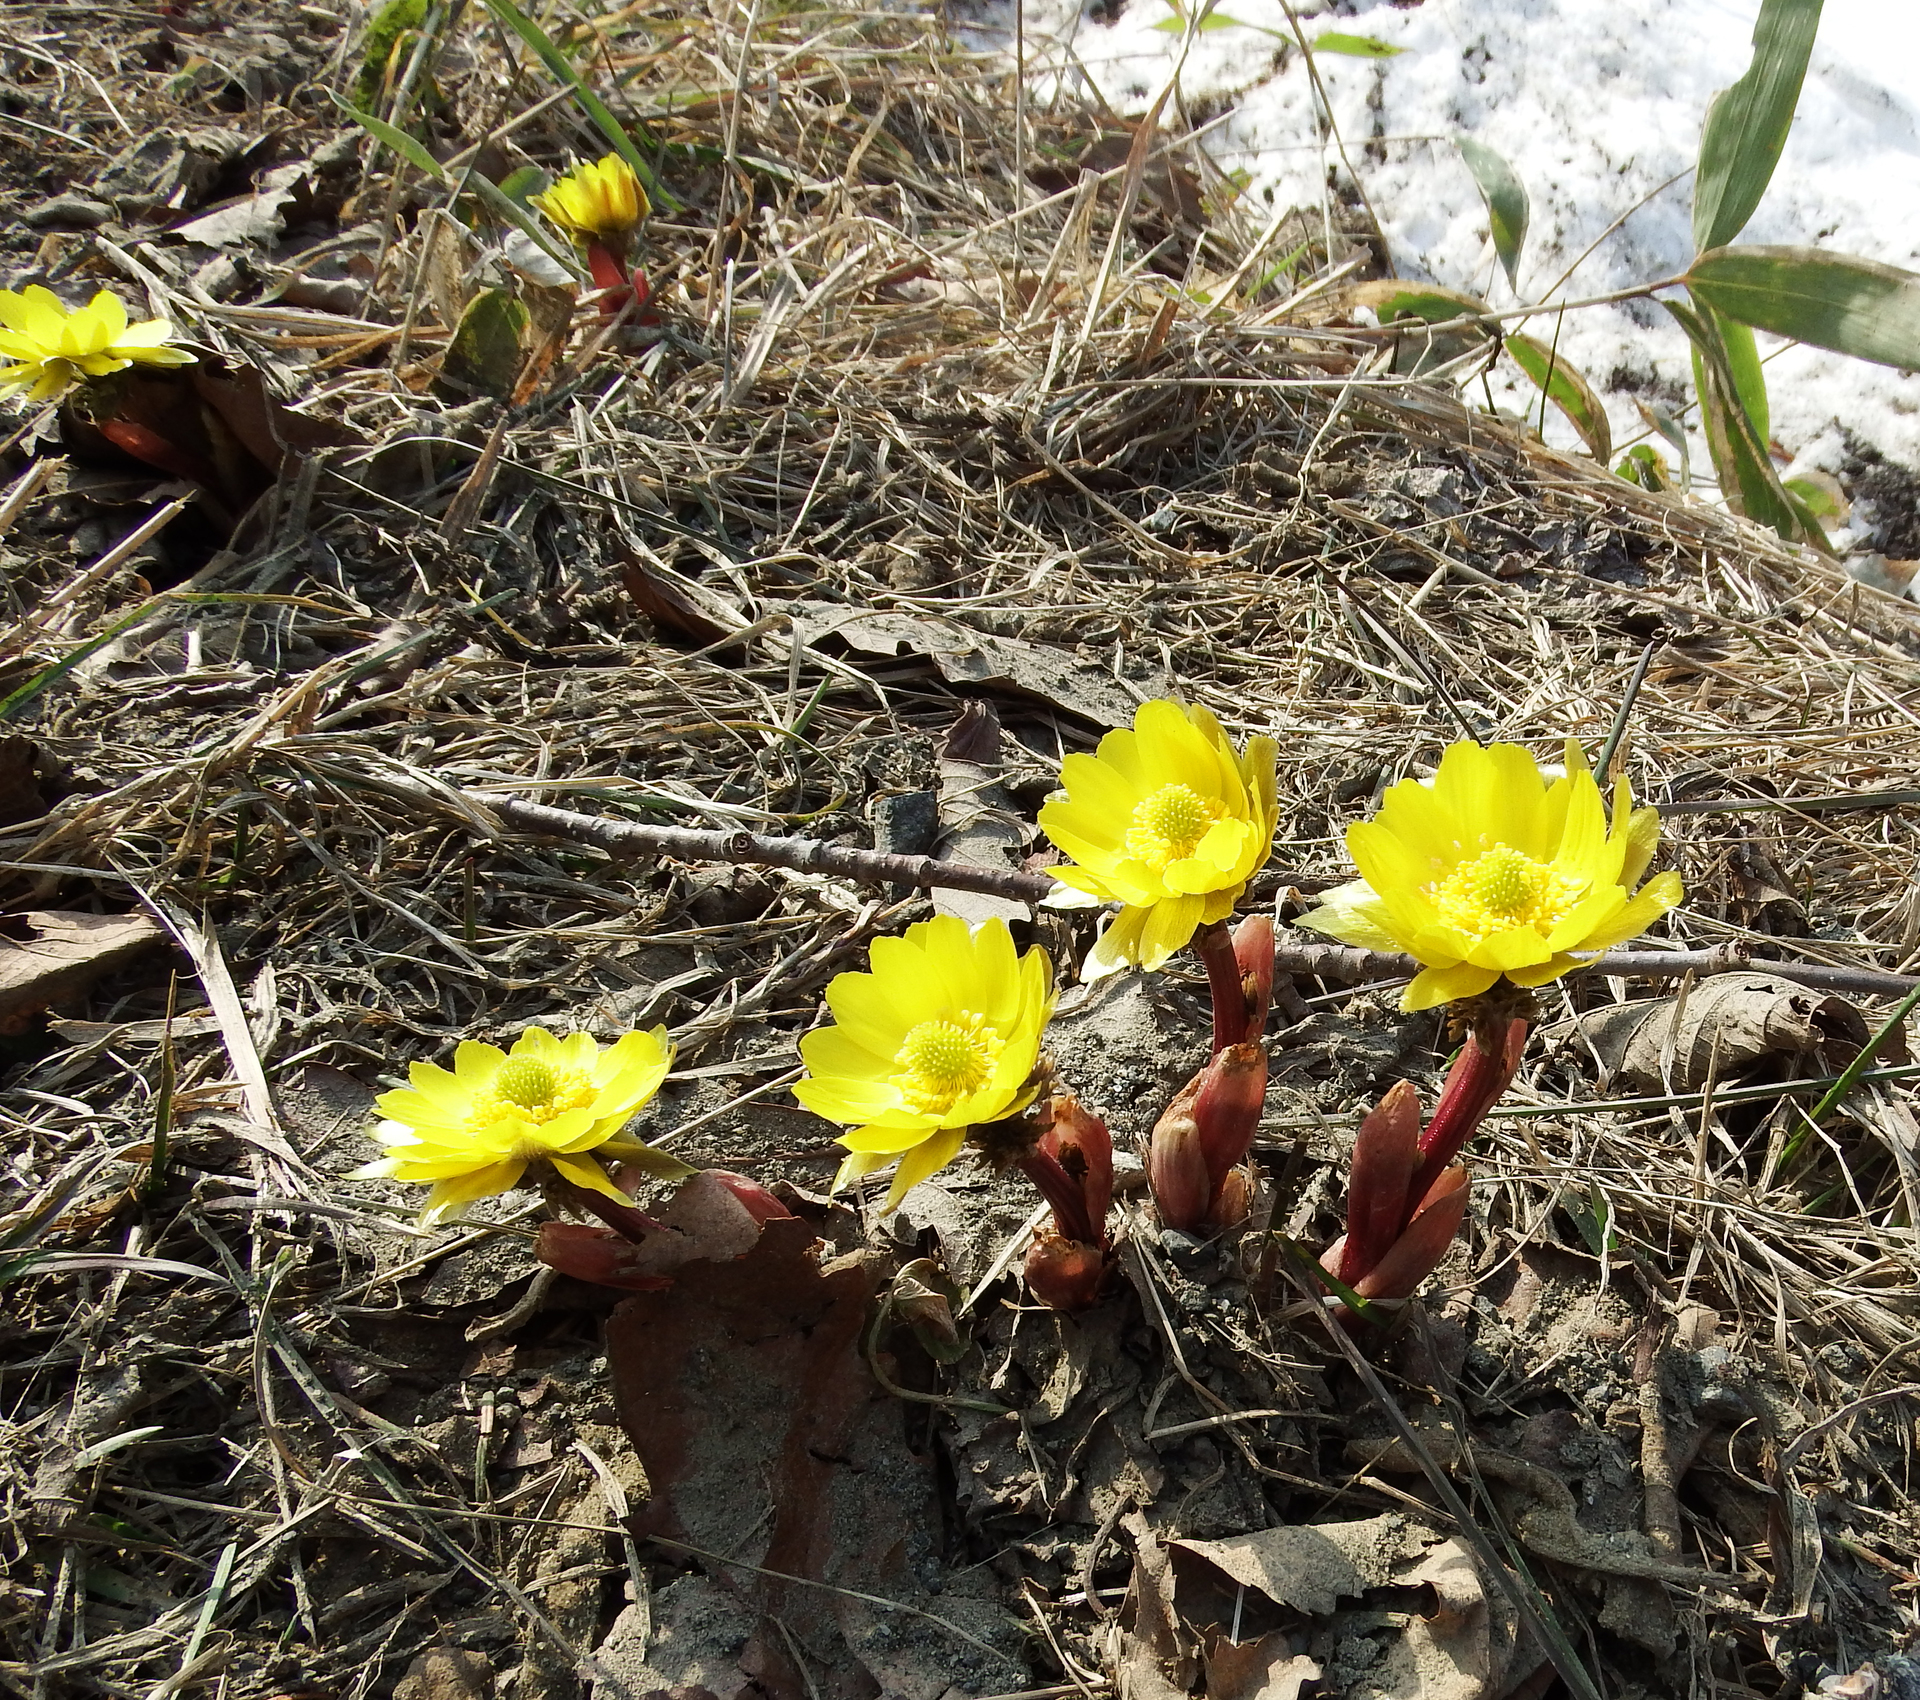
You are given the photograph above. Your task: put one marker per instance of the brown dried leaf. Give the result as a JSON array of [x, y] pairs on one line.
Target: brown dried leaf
[[49, 954], [1724, 1027]]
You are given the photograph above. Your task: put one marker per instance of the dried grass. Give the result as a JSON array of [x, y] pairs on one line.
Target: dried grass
[[889, 374]]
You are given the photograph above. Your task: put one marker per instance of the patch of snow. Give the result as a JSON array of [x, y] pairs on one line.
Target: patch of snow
[[1597, 104]]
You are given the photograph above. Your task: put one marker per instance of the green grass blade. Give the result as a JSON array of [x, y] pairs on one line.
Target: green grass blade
[[595, 108], [1747, 124]]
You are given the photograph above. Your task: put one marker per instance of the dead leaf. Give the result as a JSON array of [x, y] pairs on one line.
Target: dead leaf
[[1726, 1025], [767, 1443], [255, 220], [963, 656], [1265, 1668], [50, 954], [979, 826]]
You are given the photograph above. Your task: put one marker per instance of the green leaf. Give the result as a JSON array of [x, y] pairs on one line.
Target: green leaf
[[1567, 389], [1646, 466], [1354, 46], [594, 107], [489, 344], [1396, 302], [1837, 301], [1507, 208], [384, 31], [522, 185], [1675, 433], [1747, 124], [1820, 501], [1177, 25], [1740, 460]]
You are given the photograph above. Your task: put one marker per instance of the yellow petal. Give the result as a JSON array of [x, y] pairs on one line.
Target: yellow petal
[[923, 1160], [1169, 925], [585, 1172], [1434, 986]]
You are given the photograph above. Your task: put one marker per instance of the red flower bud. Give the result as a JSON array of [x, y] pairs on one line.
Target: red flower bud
[[1079, 1142], [1232, 1093], [1176, 1166], [1234, 1201], [1065, 1274], [595, 1254], [1384, 1157], [759, 1203], [1253, 951], [1418, 1251]]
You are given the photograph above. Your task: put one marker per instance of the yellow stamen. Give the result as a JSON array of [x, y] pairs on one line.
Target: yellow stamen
[[530, 1089], [941, 1062], [1169, 825], [1503, 888]]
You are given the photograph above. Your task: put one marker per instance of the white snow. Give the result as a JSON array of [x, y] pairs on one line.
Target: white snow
[[1596, 104]]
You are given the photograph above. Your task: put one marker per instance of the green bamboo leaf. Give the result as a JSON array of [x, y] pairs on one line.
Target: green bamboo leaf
[[1749, 380], [1177, 24], [1507, 207], [1747, 124], [1837, 301], [1413, 304], [1354, 46], [1746, 474], [595, 108], [1567, 389]]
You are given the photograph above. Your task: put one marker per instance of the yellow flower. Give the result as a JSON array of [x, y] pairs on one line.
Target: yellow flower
[[1495, 869], [52, 347], [473, 1132], [1167, 821], [942, 1035], [601, 202]]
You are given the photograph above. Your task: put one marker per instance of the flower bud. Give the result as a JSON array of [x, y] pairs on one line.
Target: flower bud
[[1064, 1274], [1176, 1166], [1234, 1201], [1253, 951], [759, 1203], [1418, 1251], [595, 1254], [1384, 1157], [1078, 1140], [1232, 1093]]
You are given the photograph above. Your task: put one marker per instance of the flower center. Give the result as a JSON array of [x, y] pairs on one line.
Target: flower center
[[1503, 888], [941, 1062], [530, 1089], [1169, 825]]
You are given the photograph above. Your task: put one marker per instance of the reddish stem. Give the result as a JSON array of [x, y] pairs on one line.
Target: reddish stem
[[1475, 1083], [1213, 944], [1065, 1194], [1384, 1157], [621, 1218]]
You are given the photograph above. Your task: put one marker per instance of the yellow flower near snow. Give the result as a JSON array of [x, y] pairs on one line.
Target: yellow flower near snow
[[51, 347], [472, 1133], [1497, 868], [601, 202], [1166, 820], [942, 1035]]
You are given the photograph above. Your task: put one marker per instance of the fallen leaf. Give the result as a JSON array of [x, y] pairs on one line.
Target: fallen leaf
[[963, 656], [50, 954], [1725, 1027]]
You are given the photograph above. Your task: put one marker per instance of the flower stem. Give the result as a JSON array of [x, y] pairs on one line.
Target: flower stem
[[1478, 1078], [623, 1219], [1213, 944]]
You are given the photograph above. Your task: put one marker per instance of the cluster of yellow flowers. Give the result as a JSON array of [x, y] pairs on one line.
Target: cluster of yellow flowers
[[1494, 868]]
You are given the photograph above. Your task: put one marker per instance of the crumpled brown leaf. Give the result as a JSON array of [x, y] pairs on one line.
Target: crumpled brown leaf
[[1724, 1027], [49, 954]]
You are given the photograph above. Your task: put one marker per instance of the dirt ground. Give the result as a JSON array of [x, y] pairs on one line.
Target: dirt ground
[[927, 411]]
